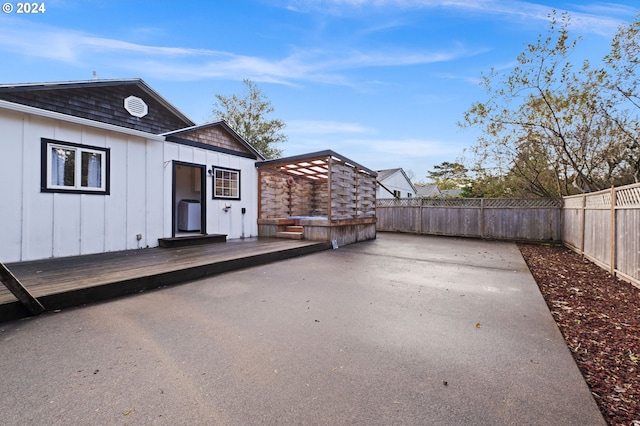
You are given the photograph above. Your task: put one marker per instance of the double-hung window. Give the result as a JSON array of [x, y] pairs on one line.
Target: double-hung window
[[69, 167], [226, 183]]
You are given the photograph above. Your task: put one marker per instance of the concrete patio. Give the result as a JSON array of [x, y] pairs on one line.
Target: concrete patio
[[403, 329]]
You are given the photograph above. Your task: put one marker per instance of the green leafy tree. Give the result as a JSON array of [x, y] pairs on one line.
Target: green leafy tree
[[487, 184], [247, 115], [448, 175]]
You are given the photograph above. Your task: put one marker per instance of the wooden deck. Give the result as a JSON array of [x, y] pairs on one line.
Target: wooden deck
[[72, 281]]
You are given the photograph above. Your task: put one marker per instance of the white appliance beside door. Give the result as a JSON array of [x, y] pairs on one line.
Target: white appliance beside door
[[189, 215]]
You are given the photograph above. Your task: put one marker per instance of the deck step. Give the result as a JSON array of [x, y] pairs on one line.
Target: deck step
[[293, 228], [72, 281], [290, 235], [192, 240]]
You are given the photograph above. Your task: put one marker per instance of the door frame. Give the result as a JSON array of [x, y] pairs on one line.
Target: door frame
[[203, 195]]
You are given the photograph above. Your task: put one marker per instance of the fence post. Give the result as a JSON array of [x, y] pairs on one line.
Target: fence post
[[612, 268], [481, 217], [582, 223], [420, 215]]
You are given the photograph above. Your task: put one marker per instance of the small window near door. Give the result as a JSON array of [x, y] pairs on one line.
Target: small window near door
[[75, 168], [226, 183]]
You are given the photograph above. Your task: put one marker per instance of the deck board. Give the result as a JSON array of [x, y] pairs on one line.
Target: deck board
[[60, 275]]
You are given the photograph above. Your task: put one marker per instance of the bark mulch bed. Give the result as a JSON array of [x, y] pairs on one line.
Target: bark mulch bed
[[599, 317]]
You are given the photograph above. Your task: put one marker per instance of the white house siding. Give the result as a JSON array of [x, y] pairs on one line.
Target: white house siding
[[218, 221], [156, 194], [230, 222], [12, 181], [37, 225], [395, 182]]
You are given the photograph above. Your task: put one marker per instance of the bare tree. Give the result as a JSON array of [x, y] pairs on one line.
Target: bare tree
[[549, 129]]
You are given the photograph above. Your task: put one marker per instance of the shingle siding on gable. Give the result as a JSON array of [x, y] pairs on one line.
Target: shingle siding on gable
[[215, 136], [104, 104]]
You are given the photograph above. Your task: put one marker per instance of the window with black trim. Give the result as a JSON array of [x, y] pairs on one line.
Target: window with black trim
[[70, 167], [226, 183]]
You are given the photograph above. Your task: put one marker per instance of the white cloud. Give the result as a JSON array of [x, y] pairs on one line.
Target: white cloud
[[322, 66], [594, 19], [607, 9]]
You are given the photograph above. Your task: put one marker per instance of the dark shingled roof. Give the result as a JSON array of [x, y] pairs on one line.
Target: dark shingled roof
[[100, 100]]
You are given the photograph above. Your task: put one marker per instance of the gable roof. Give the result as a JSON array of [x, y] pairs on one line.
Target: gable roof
[[11, 106], [384, 174], [100, 100], [452, 192], [205, 134], [428, 190]]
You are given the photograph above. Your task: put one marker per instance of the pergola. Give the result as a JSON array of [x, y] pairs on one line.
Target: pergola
[[320, 191]]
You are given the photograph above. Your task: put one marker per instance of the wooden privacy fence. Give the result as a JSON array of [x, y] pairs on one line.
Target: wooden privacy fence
[[503, 219], [604, 227]]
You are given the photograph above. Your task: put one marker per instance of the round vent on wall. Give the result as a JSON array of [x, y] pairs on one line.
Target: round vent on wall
[[136, 106]]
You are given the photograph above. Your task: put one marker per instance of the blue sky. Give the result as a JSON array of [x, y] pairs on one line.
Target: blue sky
[[382, 82]]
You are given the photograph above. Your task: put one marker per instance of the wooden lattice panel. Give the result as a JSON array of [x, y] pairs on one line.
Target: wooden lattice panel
[[598, 200], [300, 192], [489, 203], [519, 203], [625, 196], [628, 196], [353, 193], [398, 202], [343, 192], [573, 202], [366, 195], [274, 196], [320, 199], [452, 202]]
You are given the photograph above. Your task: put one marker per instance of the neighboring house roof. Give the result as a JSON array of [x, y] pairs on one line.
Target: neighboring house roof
[[387, 173], [103, 101], [383, 174], [215, 134], [428, 191], [451, 192]]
